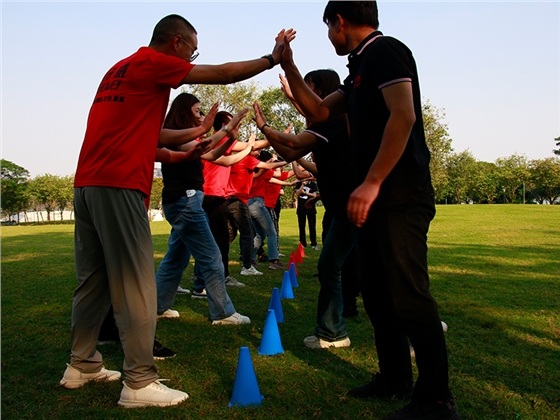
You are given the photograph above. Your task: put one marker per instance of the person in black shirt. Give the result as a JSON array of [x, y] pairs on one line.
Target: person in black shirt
[[329, 143], [391, 208], [304, 191]]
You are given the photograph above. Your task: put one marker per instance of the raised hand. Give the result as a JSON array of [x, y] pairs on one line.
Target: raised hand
[[281, 38], [286, 87], [259, 117], [209, 118], [289, 128]]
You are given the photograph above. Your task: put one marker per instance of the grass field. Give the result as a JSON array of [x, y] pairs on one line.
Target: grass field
[[495, 272]]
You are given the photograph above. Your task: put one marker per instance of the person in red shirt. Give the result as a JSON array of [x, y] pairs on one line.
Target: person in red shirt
[[113, 244], [237, 193]]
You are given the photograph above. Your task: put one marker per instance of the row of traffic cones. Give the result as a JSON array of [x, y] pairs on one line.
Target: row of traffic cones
[[245, 387]]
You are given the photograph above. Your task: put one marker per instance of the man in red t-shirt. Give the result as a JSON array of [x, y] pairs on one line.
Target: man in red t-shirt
[[113, 245]]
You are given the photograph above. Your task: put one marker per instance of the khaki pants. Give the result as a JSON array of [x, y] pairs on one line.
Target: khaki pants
[[114, 264]]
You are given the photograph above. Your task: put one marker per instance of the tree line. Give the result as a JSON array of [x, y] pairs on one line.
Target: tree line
[[457, 177]]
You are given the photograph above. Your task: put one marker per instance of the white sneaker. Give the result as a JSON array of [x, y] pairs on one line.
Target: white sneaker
[[154, 394], [314, 342], [252, 271], [234, 319], [182, 291], [170, 313], [199, 295], [73, 378]]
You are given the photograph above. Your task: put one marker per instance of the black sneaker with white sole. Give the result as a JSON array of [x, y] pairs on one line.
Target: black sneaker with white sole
[[161, 352]]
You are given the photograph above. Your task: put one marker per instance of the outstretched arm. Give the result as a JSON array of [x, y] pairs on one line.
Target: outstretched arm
[[168, 137], [312, 107], [164, 155], [240, 70], [233, 159]]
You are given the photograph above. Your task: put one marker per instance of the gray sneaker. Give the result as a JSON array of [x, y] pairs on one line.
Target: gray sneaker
[[182, 291], [234, 319], [276, 265], [230, 281]]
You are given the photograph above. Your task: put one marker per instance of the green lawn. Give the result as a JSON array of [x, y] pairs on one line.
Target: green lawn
[[495, 273]]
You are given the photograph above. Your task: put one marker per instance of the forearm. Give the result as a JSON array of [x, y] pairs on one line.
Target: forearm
[[218, 151], [226, 73], [309, 166], [171, 138], [309, 104], [232, 159]]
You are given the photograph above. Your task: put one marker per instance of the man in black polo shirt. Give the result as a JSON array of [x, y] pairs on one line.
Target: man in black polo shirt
[[391, 208]]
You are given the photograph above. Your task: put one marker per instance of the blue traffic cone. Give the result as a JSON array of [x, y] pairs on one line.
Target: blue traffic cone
[[245, 388], [293, 276], [270, 341], [286, 291], [276, 305]]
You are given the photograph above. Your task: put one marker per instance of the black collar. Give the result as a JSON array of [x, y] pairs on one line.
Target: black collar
[[365, 42]]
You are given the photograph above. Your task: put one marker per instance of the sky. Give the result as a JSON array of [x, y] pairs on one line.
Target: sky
[[493, 68]]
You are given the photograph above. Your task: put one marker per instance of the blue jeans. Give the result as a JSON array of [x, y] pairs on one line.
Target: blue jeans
[[191, 235], [264, 226], [331, 326]]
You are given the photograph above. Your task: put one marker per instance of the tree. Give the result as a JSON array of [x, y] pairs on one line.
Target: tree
[[514, 170], [15, 181], [545, 178], [45, 190], [557, 151], [155, 196], [460, 170], [486, 182], [232, 98], [279, 111], [64, 193], [439, 144]]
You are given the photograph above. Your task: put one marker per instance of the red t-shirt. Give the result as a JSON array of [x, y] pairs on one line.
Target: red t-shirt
[[273, 191], [258, 189], [216, 176], [241, 178], [125, 119]]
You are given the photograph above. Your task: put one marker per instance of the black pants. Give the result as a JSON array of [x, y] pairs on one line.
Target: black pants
[[241, 221], [219, 218], [312, 220], [392, 248]]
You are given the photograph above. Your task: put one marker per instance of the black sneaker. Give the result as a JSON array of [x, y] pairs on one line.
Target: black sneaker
[[379, 387], [427, 411], [161, 352]]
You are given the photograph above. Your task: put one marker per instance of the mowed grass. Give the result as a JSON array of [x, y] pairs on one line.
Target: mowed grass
[[495, 272]]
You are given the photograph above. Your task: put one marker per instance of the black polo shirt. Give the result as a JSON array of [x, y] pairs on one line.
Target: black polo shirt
[[378, 62]]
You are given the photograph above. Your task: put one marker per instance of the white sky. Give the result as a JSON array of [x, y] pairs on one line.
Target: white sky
[[493, 66]]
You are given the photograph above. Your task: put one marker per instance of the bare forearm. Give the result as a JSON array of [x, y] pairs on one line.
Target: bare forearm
[[170, 138]]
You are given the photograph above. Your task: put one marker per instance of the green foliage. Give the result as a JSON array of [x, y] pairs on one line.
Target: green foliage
[[51, 192], [155, 196], [279, 111], [494, 273], [460, 171], [439, 144], [514, 170], [545, 178], [557, 151], [486, 182], [14, 181]]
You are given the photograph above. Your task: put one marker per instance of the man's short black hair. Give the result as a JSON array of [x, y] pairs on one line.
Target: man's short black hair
[[221, 119], [358, 13], [170, 26], [264, 156]]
